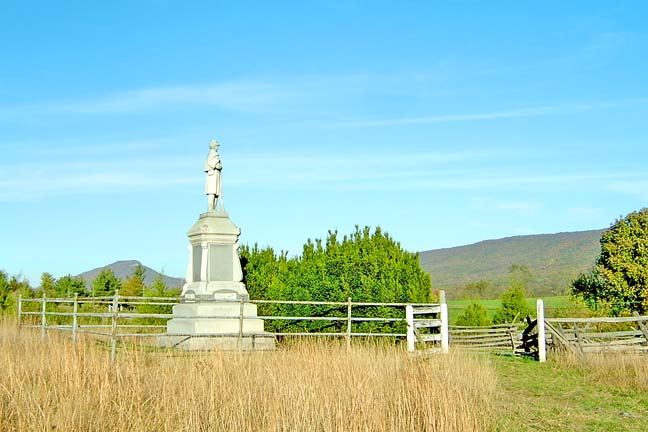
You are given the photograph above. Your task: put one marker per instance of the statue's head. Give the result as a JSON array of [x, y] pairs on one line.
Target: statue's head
[[213, 144]]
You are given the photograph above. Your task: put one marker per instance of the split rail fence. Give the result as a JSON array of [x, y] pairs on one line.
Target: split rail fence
[[606, 334], [119, 317]]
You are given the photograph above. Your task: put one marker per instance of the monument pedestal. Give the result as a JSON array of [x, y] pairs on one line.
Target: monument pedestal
[[211, 325], [215, 312]]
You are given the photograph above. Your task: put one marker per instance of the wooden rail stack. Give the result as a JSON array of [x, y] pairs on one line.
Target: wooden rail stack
[[497, 338]]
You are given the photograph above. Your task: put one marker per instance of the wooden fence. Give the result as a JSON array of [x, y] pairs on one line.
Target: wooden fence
[[118, 317], [607, 334], [423, 326], [427, 325], [496, 338]]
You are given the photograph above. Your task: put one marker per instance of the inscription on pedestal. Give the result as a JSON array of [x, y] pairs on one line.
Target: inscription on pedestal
[[220, 263], [197, 257]]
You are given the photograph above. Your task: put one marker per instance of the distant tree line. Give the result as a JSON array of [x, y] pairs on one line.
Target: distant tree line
[[105, 284]]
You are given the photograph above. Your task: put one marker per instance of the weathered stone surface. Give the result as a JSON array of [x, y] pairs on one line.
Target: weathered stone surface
[[255, 342]]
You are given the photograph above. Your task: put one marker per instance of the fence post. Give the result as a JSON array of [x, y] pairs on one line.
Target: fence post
[[348, 332], [43, 317], [442, 296], [642, 326], [445, 336], [113, 333], [75, 309], [540, 326], [409, 318], [19, 310], [240, 335]]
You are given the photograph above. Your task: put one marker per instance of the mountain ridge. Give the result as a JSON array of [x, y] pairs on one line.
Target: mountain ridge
[[554, 260], [124, 268]]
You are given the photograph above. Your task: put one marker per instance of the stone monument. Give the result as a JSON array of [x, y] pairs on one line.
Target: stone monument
[[215, 309]]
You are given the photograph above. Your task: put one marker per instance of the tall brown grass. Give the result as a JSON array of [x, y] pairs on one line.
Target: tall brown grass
[[309, 386], [624, 370]]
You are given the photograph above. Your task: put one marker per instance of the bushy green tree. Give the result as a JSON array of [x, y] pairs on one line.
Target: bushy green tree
[[513, 306], [157, 289], [4, 291], [474, 315], [366, 266], [106, 283], [134, 284], [19, 285], [10, 289], [67, 286], [48, 284], [619, 279]]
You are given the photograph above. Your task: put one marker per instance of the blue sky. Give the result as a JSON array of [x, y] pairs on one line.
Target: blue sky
[[445, 123]]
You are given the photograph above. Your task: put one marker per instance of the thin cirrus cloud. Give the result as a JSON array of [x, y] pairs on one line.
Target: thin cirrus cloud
[[422, 170], [490, 115], [636, 188], [231, 96], [276, 95]]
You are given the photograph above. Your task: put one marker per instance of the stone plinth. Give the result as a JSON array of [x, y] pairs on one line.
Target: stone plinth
[[214, 318], [255, 342], [223, 325]]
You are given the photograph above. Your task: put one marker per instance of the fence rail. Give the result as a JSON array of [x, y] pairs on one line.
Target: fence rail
[[493, 338], [600, 334], [117, 317], [423, 326]]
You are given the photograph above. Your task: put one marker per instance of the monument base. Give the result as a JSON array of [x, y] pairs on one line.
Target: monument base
[[253, 342], [207, 325]]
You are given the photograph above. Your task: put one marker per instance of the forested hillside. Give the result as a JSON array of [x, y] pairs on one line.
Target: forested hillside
[[553, 259]]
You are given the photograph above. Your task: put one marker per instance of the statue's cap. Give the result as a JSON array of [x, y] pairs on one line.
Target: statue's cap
[[213, 144]]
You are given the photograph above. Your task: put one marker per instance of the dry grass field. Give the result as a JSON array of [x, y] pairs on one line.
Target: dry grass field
[[309, 386]]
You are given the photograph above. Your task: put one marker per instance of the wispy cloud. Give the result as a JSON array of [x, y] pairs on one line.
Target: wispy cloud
[[637, 188], [460, 170], [239, 96], [491, 115]]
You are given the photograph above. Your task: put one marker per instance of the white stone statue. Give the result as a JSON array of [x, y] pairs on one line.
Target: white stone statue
[[214, 185]]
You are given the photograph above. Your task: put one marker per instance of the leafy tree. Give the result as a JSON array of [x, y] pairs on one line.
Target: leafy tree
[[4, 291], [513, 306], [261, 268], [134, 284], [67, 286], [474, 315], [590, 286], [157, 289], [48, 284], [10, 289], [106, 283], [619, 279], [366, 266]]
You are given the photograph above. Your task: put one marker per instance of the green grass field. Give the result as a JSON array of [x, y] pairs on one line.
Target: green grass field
[[564, 394], [554, 306]]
